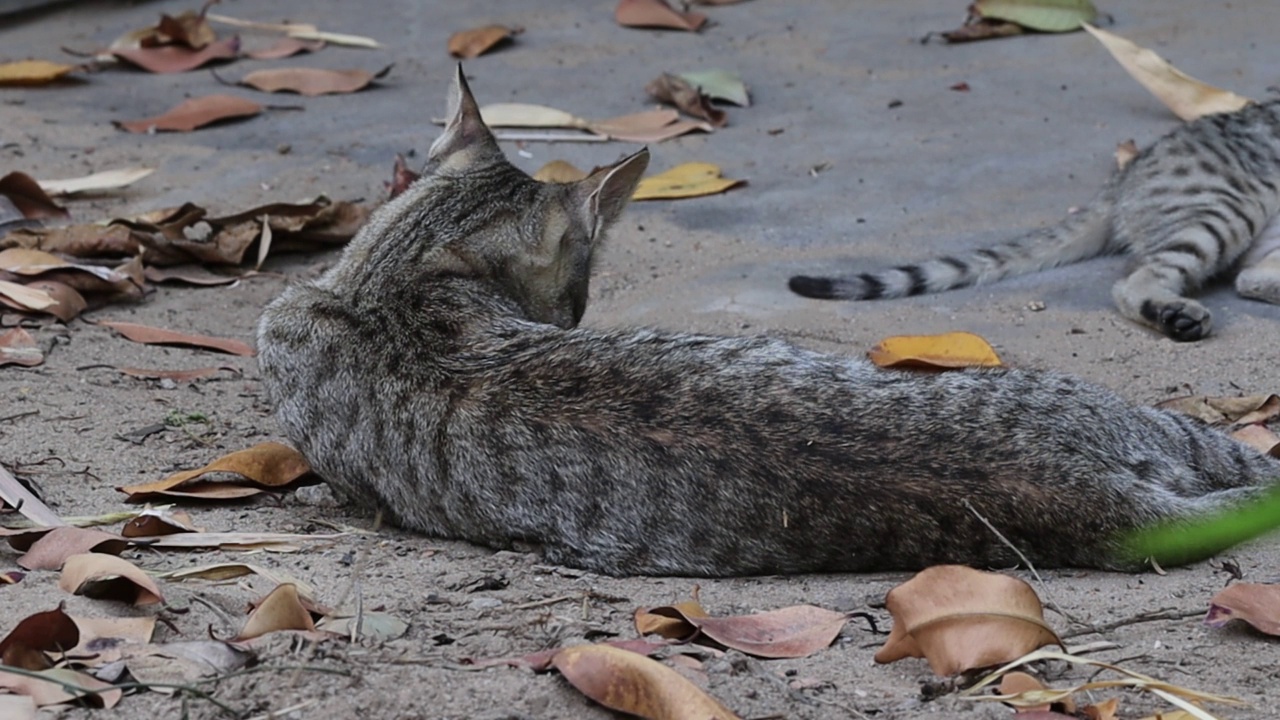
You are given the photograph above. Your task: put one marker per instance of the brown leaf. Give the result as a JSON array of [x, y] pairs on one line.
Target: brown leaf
[[26, 644], [268, 464], [790, 632], [1225, 410], [276, 542], [194, 113], [1105, 710], [982, 29], [656, 14], [32, 263], [1259, 438], [650, 126], [107, 577], [311, 81], [673, 622], [1017, 682], [285, 47], [558, 171], [75, 240], [194, 275], [26, 195], [281, 609], [32, 72], [189, 29], [154, 522], [677, 91], [634, 684], [1254, 603], [541, 660], [103, 640], [51, 550], [159, 336], [472, 43], [958, 618], [17, 347], [52, 688], [179, 376], [70, 303], [165, 59]]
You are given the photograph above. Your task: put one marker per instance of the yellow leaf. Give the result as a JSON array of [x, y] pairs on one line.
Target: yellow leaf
[[32, 72], [1187, 97], [558, 171], [682, 181], [949, 350]]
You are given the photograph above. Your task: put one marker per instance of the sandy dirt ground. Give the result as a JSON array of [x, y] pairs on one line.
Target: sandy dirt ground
[[857, 153]]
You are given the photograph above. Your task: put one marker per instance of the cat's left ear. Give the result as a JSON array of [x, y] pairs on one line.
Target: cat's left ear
[[465, 140], [606, 192]]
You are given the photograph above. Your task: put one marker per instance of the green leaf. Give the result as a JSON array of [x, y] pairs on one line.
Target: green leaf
[[1042, 15], [719, 85], [1180, 542]]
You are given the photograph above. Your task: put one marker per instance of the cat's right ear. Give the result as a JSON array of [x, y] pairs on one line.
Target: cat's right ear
[[466, 140], [607, 191]]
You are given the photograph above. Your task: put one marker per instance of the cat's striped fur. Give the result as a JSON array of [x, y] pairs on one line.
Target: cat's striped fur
[[437, 373], [1189, 208]]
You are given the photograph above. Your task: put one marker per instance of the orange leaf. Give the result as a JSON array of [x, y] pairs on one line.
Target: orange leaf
[[634, 684], [159, 336], [268, 464], [472, 43], [958, 618], [656, 14], [194, 113], [32, 72], [673, 622], [60, 543], [17, 347], [311, 81], [281, 609], [110, 578], [1254, 603], [176, 58], [949, 350]]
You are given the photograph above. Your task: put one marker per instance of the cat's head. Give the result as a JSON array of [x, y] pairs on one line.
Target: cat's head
[[485, 218]]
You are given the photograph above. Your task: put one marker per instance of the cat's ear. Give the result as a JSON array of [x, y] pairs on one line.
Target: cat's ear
[[465, 139], [605, 193]]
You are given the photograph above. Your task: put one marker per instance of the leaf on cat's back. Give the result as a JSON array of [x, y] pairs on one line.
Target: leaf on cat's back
[[1186, 96], [634, 684], [1254, 603], [693, 179], [1040, 15], [195, 113], [656, 14], [467, 44], [312, 82], [945, 351], [958, 619]]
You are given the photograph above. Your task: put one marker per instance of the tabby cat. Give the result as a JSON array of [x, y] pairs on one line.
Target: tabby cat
[[437, 374], [1194, 205]]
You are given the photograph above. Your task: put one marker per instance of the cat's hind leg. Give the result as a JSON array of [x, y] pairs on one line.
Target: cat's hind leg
[[1152, 294], [1259, 276]]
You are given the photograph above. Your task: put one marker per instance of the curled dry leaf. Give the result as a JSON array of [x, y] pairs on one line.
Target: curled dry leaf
[[1254, 603], [28, 262], [32, 72], [107, 577], [75, 240], [17, 347], [312, 81], [1259, 438], [976, 28], [675, 90], [158, 521], [194, 113], [634, 684], [649, 126], [1225, 410], [791, 632], [164, 59], [55, 546], [30, 200], [68, 303], [148, 335], [656, 14], [193, 274], [558, 171], [302, 31], [526, 115], [96, 182], [52, 631], [281, 609], [267, 464], [948, 350], [16, 495], [541, 660], [285, 47], [1041, 15], [958, 619], [1105, 710], [1187, 97], [472, 43], [1019, 682], [684, 181]]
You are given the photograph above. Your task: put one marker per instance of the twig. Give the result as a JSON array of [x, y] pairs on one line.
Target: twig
[[548, 601], [1034, 573], [1149, 616], [18, 416]]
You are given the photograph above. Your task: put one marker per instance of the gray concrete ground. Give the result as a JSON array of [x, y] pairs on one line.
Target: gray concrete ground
[[858, 154]]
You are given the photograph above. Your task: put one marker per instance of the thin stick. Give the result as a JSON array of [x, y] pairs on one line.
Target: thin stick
[[548, 601], [1150, 616]]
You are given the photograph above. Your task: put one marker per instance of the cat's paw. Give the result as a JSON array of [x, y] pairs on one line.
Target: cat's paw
[[1260, 283], [1182, 320]]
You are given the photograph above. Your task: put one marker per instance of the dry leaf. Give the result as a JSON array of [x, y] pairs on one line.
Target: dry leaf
[[1019, 682], [526, 115], [673, 622], [193, 275], [541, 661], [164, 59], [17, 347], [272, 542], [285, 47], [29, 262], [790, 632], [634, 684], [976, 28], [268, 464], [1105, 710], [675, 90], [302, 31], [949, 350], [958, 618], [108, 577], [472, 43], [1125, 153], [55, 546], [75, 240], [68, 303], [1225, 410], [30, 200], [684, 181], [656, 14], [1256, 604], [1041, 15], [103, 640], [97, 182], [178, 376], [52, 688], [52, 631], [153, 522], [14, 493], [558, 171], [650, 126], [311, 81], [194, 113], [372, 626], [32, 72], [719, 85], [182, 662], [1187, 97], [230, 570], [282, 609], [1259, 438], [159, 336]]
